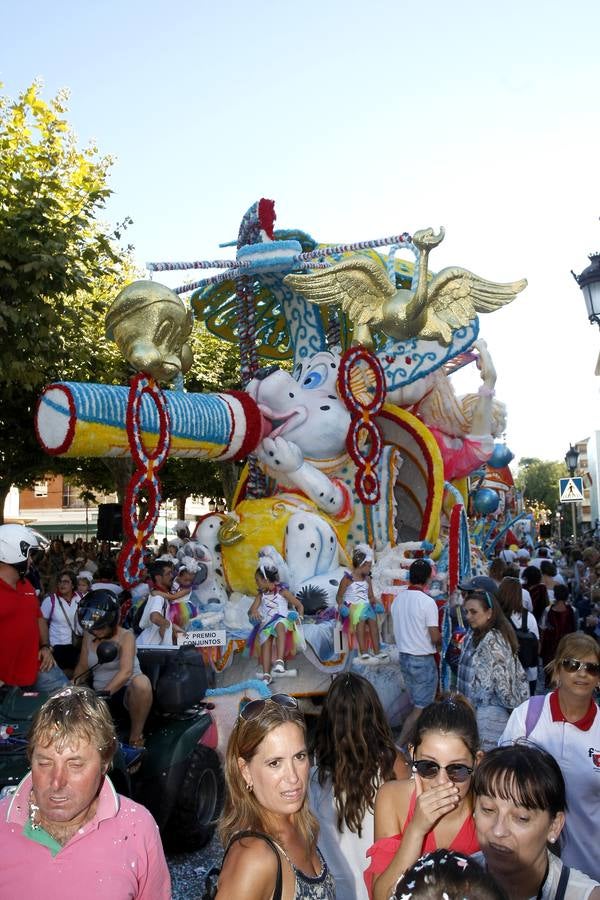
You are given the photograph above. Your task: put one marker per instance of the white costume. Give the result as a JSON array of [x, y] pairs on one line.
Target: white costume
[[576, 748]]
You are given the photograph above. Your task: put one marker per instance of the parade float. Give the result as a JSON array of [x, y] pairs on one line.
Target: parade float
[[347, 425]]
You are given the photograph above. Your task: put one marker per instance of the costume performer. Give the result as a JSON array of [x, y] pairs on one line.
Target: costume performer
[[274, 620], [357, 605]]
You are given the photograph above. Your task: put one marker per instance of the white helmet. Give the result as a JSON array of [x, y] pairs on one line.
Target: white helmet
[[15, 543]]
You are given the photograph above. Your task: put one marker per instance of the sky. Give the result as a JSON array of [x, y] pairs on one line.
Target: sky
[[360, 120]]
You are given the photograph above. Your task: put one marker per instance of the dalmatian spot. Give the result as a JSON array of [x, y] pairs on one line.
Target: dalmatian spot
[[313, 546], [333, 581], [291, 395], [324, 408], [217, 548], [301, 526], [308, 554], [322, 494], [218, 572]]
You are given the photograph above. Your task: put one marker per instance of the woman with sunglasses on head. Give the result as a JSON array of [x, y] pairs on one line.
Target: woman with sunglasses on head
[[490, 675], [354, 754], [520, 808], [566, 723], [266, 772], [434, 808]]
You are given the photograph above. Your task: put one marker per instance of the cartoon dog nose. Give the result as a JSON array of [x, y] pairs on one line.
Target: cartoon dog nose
[[264, 373]]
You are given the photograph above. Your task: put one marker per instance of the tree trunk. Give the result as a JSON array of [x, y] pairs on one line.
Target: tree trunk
[[229, 478], [4, 491], [121, 470], [181, 508]]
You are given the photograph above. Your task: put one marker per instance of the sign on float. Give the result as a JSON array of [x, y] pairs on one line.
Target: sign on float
[[202, 639]]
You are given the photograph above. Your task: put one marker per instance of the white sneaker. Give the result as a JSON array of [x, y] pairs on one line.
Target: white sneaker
[[279, 667], [365, 656], [266, 678], [383, 654]]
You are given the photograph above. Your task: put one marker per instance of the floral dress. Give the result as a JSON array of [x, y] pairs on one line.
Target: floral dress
[[491, 677]]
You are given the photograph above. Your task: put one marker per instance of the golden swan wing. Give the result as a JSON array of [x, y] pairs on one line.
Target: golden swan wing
[[456, 295], [360, 286]]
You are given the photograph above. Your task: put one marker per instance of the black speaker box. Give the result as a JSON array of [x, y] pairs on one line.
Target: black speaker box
[[110, 522]]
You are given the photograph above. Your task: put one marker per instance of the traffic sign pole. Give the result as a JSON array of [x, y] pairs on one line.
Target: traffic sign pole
[[574, 514]]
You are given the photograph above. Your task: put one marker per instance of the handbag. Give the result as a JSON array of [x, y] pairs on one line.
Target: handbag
[[212, 876]]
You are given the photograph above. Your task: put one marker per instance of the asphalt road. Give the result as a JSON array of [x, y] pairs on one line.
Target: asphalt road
[[188, 870]]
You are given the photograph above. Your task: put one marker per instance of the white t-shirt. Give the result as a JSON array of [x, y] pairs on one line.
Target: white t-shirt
[[532, 625], [526, 599], [61, 624], [577, 752], [345, 851], [150, 634], [413, 613]]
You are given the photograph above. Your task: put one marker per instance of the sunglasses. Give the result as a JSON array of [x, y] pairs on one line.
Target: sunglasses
[[574, 665], [254, 708], [456, 772], [479, 595]]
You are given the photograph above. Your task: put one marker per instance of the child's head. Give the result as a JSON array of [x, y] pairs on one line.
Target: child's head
[[266, 575], [185, 577], [362, 558], [84, 582]]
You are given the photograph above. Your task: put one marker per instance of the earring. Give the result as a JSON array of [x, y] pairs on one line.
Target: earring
[[552, 840], [249, 787]]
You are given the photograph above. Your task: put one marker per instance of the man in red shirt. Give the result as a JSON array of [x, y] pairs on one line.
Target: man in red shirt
[[25, 653]]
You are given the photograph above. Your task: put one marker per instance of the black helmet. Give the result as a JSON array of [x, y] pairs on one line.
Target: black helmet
[[98, 609]]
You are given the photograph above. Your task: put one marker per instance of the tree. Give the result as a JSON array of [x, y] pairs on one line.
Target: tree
[[538, 480], [57, 263]]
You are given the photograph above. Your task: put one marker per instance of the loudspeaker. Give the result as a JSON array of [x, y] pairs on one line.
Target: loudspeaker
[[110, 522]]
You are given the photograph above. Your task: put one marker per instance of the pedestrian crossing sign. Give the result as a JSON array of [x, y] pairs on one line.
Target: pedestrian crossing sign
[[571, 489]]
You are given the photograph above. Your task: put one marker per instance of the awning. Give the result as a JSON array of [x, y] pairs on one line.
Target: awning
[[57, 528]]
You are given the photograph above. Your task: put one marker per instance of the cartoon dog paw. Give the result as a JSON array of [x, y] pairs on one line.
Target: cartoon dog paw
[[280, 455]]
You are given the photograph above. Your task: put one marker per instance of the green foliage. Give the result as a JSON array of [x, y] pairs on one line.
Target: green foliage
[[538, 480], [59, 268]]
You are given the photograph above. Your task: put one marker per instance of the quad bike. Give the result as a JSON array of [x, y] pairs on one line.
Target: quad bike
[[178, 776]]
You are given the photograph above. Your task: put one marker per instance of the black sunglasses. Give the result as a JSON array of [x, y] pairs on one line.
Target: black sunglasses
[[456, 772], [254, 708], [574, 665]]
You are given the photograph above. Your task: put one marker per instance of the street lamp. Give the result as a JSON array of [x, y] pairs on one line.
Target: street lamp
[[571, 460], [589, 282]]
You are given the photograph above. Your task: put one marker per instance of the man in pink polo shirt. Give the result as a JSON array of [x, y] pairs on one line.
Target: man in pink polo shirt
[[66, 832]]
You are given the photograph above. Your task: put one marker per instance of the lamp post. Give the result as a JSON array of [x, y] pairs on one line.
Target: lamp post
[[571, 460], [589, 282]]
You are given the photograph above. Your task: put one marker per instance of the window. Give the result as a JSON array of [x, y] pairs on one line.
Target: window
[[40, 489]]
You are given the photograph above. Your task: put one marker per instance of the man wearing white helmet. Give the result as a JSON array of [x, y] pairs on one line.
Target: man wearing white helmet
[[25, 653]]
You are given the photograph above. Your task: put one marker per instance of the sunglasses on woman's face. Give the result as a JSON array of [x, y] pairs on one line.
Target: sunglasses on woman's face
[[254, 708], [456, 772], [574, 665]]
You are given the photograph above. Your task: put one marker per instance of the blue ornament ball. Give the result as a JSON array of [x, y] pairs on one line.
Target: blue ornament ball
[[500, 457], [486, 501]]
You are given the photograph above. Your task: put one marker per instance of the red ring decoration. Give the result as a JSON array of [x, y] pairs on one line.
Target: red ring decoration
[[130, 562], [362, 424]]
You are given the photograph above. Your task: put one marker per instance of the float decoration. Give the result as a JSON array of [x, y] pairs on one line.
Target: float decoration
[[363, 427], [144, 479]]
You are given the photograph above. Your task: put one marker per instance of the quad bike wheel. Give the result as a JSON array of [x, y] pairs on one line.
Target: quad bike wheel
[[198, 803]]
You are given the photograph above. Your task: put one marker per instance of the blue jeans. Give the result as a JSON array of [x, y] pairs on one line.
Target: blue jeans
[[420, 678], [48, 682]]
